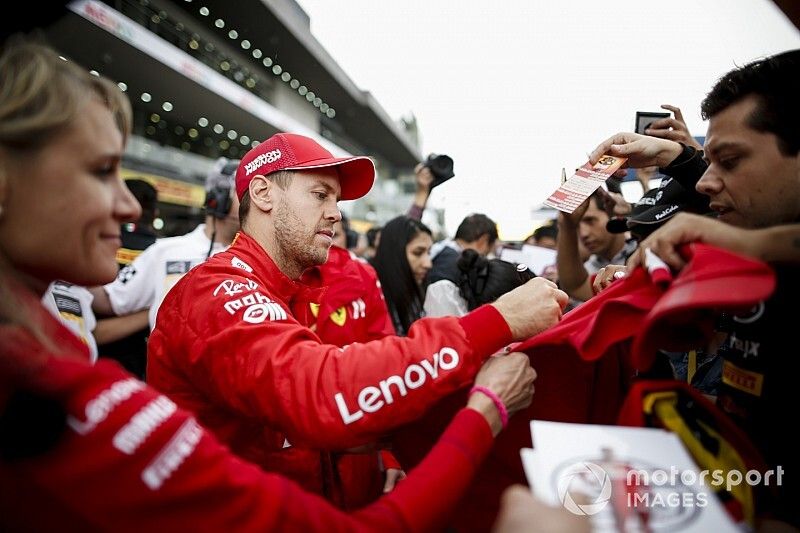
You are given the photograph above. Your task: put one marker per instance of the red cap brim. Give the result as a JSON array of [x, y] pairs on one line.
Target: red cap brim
[[356, 174]]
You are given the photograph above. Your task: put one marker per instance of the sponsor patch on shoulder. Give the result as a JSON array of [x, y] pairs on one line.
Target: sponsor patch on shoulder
[[257, 308], [238, 263]]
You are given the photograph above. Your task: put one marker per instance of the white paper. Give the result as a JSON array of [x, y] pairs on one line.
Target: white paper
[[587, 468]]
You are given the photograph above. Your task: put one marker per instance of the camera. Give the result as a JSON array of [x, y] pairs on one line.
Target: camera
[[645, 118], [441, 167]]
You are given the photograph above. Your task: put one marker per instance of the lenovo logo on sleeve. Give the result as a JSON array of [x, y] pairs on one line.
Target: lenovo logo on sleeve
[[372, 398]]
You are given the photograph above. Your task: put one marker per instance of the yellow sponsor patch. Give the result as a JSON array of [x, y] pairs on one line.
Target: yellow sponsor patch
[[741, 379], [125, 256]]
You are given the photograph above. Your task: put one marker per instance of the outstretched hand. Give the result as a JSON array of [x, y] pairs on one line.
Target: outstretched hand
[[674, 129]]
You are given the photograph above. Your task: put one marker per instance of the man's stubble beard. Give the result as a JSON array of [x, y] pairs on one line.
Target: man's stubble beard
[[295, 246]]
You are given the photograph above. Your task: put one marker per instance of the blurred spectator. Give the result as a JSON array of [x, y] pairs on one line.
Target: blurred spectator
[[402, 262], [476, 232], [72, 305], [544, 236], [423, 179], [144, 283], [373, 239], [588, 223], [131, 350], [344, 236], [482, 281], [139, 235]]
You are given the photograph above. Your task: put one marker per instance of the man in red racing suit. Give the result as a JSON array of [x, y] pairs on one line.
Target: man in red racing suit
[[232, 341]]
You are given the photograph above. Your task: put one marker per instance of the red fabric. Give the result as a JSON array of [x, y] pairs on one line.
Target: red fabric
[[714, 280], [352, 308], [99, 476], [614, 315], [585, 367], [288, 151], [231, 344], [389, 461]]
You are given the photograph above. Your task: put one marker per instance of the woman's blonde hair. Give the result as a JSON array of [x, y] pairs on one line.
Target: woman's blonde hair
[[41, 93]]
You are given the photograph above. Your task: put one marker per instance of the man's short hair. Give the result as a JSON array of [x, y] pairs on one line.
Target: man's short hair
[[548, 230], [599, 199], [776, 82], [282, 179], [147, 196], [372, 234], [475, 226]]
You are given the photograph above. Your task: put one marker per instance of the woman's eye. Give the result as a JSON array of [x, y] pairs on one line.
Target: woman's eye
[[106, 171]]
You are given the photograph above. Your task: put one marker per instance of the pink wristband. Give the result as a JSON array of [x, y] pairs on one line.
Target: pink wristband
[[497, 402]]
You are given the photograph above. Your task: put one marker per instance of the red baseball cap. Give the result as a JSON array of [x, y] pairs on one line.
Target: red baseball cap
[[288, 151]]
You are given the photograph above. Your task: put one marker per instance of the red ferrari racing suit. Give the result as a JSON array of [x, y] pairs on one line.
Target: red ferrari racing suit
[[231, 344]]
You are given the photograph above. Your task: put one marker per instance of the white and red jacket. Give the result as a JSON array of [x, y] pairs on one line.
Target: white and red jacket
[[231, 344], [91, 448]]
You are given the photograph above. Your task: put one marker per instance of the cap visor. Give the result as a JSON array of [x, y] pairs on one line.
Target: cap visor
[[655, 215], [356, 174]]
